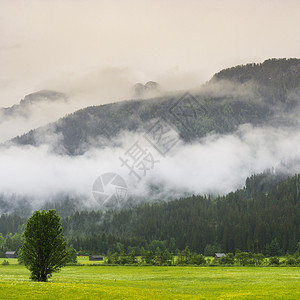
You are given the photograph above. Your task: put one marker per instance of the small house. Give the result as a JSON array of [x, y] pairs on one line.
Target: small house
[[219, 255], [96, 257], [11, 254]]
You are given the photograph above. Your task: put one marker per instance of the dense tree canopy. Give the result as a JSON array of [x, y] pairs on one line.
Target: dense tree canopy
[[44, 250], [264, 217]]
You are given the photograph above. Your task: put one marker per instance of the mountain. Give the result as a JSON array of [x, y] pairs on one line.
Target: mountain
[[244, 120], [23, 108], [258, 94]]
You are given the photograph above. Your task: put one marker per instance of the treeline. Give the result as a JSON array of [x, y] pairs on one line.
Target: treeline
[[272, 79], [10, 242], [186, 257], [247, 219], [264, 217], [11, 224]]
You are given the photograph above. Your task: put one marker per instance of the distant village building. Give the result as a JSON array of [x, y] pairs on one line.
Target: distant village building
[[219, 255], [96, 257], [11, 254]]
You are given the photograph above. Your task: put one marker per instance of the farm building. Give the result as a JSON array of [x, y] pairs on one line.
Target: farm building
[[219, 255], [11, 254], [95, 257]]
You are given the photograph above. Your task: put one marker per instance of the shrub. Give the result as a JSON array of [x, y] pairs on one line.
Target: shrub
[[291, 261], [274, 261], [228, 259]]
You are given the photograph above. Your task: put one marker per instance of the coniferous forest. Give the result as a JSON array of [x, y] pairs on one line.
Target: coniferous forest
[[263, 217]]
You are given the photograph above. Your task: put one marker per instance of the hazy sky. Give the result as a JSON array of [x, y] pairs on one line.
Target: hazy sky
[[101, 48], [95, 51]]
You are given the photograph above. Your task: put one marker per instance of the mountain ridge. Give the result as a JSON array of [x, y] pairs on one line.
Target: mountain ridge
[[33, 98], [236, 104]]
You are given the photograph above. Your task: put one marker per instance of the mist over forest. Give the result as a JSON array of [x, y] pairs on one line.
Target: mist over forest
[[243, 121]]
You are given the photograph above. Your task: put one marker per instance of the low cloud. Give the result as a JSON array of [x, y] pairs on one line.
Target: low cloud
[[216, 164], [33, 116]]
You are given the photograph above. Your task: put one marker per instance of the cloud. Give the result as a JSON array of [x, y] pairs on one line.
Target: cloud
[[216, 164], [221, 163], [43, 41], [21, 119], [97, 86]]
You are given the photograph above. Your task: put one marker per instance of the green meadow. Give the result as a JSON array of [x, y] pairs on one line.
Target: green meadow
[[143, 282]]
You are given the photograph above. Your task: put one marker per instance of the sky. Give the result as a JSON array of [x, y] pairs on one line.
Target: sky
[[96, 50]]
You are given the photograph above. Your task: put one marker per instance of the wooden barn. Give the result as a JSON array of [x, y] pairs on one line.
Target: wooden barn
[[96, 257], [219, 255], [11, 254]]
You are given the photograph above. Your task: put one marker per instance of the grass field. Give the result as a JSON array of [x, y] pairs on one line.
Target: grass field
[[130, 282]]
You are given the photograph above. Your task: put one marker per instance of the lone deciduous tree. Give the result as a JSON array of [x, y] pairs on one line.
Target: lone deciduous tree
[[45, 249]]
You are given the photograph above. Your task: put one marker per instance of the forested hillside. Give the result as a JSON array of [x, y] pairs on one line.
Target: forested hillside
[[245, 220], [273, 79], [264, 217], [258, 94]]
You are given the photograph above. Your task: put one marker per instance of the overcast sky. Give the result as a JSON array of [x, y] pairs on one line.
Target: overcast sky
[[103, 47]]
